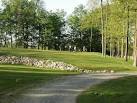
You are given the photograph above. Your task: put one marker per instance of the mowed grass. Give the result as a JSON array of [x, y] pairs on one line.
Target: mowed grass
[[123, 90], [17, 78], [83, 60]]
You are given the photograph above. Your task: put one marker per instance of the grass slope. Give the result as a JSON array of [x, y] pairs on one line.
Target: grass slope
[[92, 61], [19, 77], [123, 90]]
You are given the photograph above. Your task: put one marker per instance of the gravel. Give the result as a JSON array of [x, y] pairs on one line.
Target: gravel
[[63, 90]]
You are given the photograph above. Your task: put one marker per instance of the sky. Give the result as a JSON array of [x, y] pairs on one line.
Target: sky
[[67, 5]]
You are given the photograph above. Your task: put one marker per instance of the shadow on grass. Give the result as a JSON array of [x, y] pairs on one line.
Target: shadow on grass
[[121, 90]]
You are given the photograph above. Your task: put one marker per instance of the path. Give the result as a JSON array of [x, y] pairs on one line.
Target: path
[[64, 90]]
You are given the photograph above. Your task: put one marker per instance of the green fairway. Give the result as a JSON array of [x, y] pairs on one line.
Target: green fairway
[[84, 60], [123, 90], [68, 51], [18, 77]]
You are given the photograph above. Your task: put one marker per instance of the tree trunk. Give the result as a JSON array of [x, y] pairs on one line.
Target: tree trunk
[[11, 41], [16, 39], [127, 39], [105, 45], [118, 48], [126, 50], [102, 27], [106, 33], [91, 35], [5, 41], [135, 50], [38, 46], [39, 39], [122, 47], [81, 37], [110, 47], [135, 46], [122, 40]]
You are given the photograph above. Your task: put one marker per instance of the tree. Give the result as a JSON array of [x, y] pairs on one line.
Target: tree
[[74, 21], [30, 24]]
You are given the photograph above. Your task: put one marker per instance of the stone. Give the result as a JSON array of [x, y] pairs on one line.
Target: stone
[[111, 71], [37, 63]]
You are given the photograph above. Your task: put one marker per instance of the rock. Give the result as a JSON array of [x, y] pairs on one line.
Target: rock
[[37, 63], [111, 71], [45, 64], [104, 71]]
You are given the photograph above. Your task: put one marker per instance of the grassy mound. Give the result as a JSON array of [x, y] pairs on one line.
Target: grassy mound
[[123, 90], [84, 60]]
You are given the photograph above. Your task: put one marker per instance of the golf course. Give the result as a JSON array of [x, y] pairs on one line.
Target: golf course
[[16, 79], [68, 51]]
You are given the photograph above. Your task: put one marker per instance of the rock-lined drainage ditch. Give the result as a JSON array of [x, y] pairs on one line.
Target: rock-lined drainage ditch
[[29, 61], [36, 63]]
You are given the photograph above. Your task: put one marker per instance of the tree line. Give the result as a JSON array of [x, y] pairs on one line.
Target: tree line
[[116, 23], [27, 24], [106, 26]]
